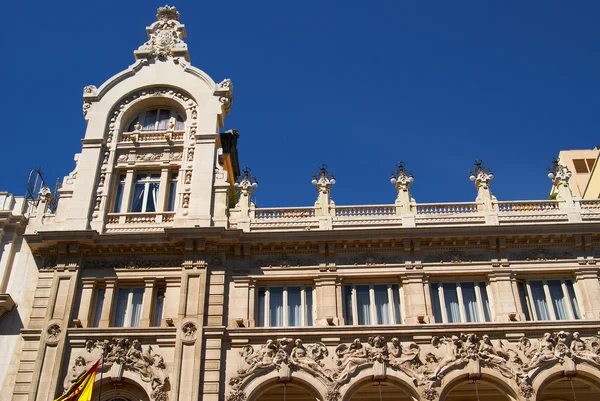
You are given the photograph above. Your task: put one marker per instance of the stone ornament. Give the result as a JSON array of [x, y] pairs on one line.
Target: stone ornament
[[53, 333], [426, 365], [188, 332], [165, 36], [121, 355]]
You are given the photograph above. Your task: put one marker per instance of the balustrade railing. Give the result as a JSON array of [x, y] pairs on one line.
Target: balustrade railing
[[284, 213], [446, 208], [589, 204], [527, 206], [364, 211], [151, 136], [140, 218]]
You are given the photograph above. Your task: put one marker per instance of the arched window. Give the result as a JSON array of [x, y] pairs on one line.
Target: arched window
[[159, 119]]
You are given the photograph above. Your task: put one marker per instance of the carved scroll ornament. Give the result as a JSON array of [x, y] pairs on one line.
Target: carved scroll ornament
[[426, 365], [120, 355]]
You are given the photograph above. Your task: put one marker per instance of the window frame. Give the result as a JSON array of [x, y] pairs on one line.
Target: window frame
[[285, 305], [141, 119], [372, 304], [461, 303], [128, 311], [549, 300]]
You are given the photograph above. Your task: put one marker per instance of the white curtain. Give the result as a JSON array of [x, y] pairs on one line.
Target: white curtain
[[294, 306], [122, 300], [152, 198], [363, 304], [136, 307], [558, 300], [150, 120], [99, 303], [452, 306], [539, 300], [308, 295], [348, 304], [486, 302], [470, 302], [137, 200], [435, 302], [573, 298], [276, 307], [261, 307], [397, 305], [382, 304], [163, 120], [158, 306]]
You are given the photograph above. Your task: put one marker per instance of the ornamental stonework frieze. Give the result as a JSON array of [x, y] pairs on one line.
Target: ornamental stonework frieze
[[425, 364], [455, 256], [165, 36], [134, 263], [540, 253], [123, 355], [284, 261], [369, 259]]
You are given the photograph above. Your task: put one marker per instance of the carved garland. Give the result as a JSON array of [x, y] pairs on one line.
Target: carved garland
[[120, 355], [113, 131], [519, 362]]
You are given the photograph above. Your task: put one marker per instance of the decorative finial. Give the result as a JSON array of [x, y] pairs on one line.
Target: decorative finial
[[323, 177], [246, 182], [402, 176], [167, 13], [480, 172], [558, 171]]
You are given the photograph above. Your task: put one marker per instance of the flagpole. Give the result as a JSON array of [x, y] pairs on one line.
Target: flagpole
[[101, 371]]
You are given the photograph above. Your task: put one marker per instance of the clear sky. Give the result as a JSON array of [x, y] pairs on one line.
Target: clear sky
[[358, 85]]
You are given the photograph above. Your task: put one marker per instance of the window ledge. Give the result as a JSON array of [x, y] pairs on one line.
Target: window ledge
[[6, 304]]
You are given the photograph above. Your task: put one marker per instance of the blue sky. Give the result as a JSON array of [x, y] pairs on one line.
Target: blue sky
[[356, 85]]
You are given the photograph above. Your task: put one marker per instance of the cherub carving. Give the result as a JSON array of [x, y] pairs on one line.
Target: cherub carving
[[589, 352], [309, 358], [349, 359]]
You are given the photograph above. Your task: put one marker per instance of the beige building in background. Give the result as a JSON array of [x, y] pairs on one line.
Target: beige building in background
[[156, 258], [585, 181]]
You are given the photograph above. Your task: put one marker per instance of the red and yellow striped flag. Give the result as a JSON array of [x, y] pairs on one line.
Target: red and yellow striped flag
[[82, 390]]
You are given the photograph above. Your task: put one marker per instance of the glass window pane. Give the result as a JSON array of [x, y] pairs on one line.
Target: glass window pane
[[382, 304], [308, 294], [435, 303], [137, 198], [261, 308], [524, 299], [163, 120], [539, 300], [121, 310], [152, 197], [469, 302], [487, 311], [118, 197], [276, 307], [136, 307], [294, 306], [396, 295], [348, 304], [559, 303], [100, 293], [172, 193], [179, 125], [150, 120], [451, 300], [363, 304], [159, 303], [573, 298]]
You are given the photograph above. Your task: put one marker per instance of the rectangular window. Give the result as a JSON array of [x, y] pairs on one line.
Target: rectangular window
[[129, 307], [549, 300], [372, 304], [460, 302], [159, 304], [100, 294], [145, 193], [285, 306], [119, 194], [172, 192]]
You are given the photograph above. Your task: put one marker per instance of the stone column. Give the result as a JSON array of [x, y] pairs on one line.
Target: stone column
[[86, 305], [415, 300], [405, 204], [327, 300], [324, 206], [587, 291], [502, 294], [242, 213], [148, 300]]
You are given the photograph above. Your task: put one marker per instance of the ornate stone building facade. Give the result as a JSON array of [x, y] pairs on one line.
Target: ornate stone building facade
[[156, 259]]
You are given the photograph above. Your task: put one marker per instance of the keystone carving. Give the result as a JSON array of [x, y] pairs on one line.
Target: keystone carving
[[426, 365], [120, 355]]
